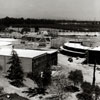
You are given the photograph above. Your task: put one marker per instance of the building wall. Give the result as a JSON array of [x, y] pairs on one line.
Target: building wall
[[57, 42], [39, 63], [26, 63], [93, 57], [3, 62], [30, 65], [52, 58]]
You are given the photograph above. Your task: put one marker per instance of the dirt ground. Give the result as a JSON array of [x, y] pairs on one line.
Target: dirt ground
[[87, 69]]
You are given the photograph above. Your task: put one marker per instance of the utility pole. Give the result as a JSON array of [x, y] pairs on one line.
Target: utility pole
[[94, 70], [93, 82]]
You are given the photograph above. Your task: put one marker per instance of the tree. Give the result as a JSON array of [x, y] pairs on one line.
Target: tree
[[89, 93], [97, 92], [2, 28], [25, 29], [36, 29], [86, 87], [59, 83], [15, 72], [76, 76]]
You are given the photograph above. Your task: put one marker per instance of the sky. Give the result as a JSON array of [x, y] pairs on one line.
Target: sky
[[51, 9]]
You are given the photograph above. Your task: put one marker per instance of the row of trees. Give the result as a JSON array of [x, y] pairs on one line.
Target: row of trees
[[72, 25]]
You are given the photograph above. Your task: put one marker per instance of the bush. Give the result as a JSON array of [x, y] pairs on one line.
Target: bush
[[88, 91], [17, 83], [32, 92], [70, 59], [52, 97], [71, 89], [87, 87], [97, 91], [84, 96], [76, 76]]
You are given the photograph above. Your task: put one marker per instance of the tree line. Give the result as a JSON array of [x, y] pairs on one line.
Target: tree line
[[70, 25]]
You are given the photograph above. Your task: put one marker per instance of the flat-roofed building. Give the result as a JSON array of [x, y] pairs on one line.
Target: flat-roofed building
[[30, 59]]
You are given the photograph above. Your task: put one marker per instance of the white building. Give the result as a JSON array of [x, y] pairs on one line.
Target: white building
[[30, 59]]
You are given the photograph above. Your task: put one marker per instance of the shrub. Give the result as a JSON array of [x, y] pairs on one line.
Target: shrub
[[76, 76], [71, 89], [87, 87], [17, 83], [84, 96], [88, 91], [32, 92], [97, 91], [70, 59]]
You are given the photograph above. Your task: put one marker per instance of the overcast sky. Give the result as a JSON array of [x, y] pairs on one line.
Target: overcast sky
[[61, 9]]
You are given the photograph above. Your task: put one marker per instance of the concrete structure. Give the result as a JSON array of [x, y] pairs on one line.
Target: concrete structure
[[92, 54], [31, 60], [79, 34]]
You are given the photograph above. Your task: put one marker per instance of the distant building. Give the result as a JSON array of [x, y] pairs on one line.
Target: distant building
[[30, 59], [16, 35], [94, 56], [74, 49]]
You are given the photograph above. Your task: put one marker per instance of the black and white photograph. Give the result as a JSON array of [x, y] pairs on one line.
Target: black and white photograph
[[49, 49]]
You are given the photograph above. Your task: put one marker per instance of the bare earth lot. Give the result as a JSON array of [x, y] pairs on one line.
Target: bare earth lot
[[76, 64]]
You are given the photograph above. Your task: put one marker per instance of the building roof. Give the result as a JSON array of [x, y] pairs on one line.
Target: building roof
[[79, 46], [51, 51], [25, 52], [76, 45], [2, 43], [7, 40], [22, 52]]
